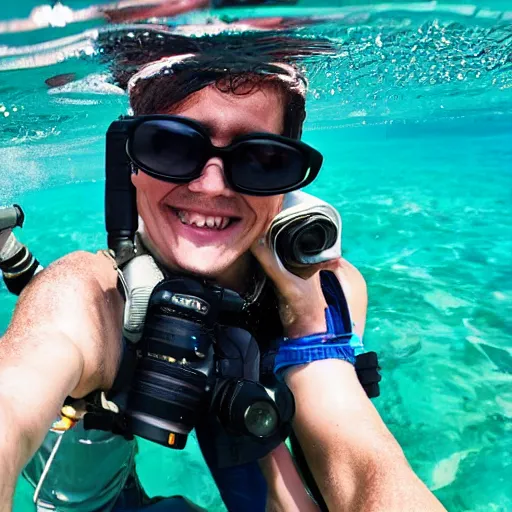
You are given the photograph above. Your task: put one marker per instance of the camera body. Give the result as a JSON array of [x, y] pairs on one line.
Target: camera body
[[172, 378]]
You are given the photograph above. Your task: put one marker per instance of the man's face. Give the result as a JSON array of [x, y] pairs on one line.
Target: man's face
[[204, 227]]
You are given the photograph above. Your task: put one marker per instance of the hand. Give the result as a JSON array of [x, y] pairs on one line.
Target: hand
[[301, 301]]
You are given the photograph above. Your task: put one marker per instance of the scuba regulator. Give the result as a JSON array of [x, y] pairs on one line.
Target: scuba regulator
[[17, 263]]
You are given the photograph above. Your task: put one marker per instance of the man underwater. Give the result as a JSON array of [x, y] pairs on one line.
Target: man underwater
[[206, 193]]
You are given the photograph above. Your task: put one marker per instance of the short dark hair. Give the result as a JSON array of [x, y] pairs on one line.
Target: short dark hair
[[226, 58], [163, 92]]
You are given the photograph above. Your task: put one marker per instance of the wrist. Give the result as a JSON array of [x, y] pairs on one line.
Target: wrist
[[304, 321], [306, 327]]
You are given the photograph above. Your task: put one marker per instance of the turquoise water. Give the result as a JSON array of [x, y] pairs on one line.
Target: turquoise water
[[418, 160]]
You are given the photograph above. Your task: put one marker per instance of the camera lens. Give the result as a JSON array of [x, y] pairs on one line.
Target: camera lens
[[165, 401], [261, 419], [305, 238], [245, 407], [312, 240]]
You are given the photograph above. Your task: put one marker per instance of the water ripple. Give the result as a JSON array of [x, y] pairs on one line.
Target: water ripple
[[389, 64]]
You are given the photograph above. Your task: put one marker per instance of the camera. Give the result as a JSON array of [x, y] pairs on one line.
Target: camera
[[174, 380], [306, 231]]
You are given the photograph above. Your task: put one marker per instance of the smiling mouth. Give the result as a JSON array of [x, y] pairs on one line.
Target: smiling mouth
[[208, 222]]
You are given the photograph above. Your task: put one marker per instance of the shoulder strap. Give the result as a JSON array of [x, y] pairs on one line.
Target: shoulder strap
[[367, 364], [339, 316], [139, 278]]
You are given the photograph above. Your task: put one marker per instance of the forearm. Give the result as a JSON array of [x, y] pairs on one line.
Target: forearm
[[357, 463], [286, 492], [24, 386], [64, 339]]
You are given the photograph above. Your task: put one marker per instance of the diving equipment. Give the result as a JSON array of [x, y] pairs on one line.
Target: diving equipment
[[17, 263], [306, 231], [121, 219], [171, 375], [11, 217], [175, 149]]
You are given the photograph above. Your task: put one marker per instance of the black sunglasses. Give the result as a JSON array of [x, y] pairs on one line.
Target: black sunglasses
[[176, 149]]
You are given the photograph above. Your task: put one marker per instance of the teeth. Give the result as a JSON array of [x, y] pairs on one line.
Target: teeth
[[200, 221]]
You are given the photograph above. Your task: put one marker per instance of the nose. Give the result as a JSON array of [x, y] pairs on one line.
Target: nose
[[212, 181]]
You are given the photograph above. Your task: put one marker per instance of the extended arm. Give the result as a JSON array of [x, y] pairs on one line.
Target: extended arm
[[64, 339], [355, 460]]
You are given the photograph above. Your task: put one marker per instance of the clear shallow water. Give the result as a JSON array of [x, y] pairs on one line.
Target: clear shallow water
[[426, 197]]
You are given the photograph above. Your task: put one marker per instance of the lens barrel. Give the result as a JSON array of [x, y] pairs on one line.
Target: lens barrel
[[170, 387], [245, 408], [305, 237], [165, 401]]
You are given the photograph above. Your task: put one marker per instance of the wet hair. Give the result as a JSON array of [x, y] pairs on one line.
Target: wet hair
[[167, 92], [235, 63]]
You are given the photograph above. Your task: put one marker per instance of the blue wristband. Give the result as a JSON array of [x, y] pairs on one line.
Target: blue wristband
[[316, 347], [338, 342]]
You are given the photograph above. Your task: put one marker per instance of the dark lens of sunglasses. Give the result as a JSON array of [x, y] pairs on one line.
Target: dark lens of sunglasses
[[168, 148], [267, 165]]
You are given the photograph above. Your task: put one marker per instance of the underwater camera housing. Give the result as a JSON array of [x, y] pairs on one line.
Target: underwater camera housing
[[170, 379], [174, 375]]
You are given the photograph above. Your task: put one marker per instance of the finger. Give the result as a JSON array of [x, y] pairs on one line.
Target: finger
[[270, 263], [331, 265], [306, 272]]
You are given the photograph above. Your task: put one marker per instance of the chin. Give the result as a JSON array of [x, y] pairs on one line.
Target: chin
[[204, 264]]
